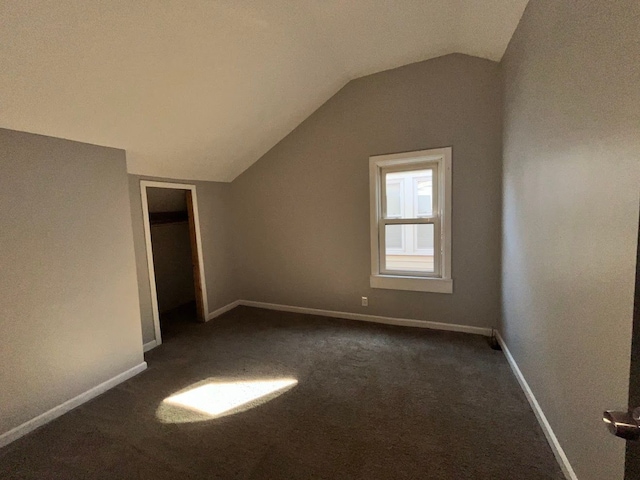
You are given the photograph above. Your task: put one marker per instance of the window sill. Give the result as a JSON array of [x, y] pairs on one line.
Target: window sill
[[416, 284]]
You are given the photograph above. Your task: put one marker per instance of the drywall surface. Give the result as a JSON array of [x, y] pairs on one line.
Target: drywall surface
[[204, 91], [571, 178], [302, 210], [69, 311], [216, 229]]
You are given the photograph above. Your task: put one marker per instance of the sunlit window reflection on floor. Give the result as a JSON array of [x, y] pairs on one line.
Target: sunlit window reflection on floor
[[213, 398]]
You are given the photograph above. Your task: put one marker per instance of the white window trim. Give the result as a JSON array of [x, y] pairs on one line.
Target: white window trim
[[443, 283]]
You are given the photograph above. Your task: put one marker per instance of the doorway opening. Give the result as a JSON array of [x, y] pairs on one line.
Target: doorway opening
[[174, 256]]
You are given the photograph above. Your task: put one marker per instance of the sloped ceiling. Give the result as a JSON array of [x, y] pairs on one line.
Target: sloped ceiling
[[200, 89]]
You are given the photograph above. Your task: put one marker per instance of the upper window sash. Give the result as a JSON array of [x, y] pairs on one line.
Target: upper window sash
[[410, 166]]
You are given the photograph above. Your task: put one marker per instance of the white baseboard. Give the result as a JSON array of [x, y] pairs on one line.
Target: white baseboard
[[406, 322], [561, 457], [221, 310], [21, 430], [149, 345]]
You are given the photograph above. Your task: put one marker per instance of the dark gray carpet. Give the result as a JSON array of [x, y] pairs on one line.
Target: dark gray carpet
[[372, 402]]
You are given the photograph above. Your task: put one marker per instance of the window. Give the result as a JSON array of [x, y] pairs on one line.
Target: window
[[411, 221]]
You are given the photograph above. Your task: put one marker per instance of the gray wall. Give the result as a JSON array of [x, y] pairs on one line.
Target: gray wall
[[216, 229], [571, 183], [303, 208], [69, 312]]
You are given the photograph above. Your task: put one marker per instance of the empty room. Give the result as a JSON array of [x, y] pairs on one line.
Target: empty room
[[331, 239]]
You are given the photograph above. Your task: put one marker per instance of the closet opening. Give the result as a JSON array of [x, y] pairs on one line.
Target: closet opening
[[174, 257]]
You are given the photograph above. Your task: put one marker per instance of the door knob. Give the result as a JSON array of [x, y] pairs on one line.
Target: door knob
[[623, 424]]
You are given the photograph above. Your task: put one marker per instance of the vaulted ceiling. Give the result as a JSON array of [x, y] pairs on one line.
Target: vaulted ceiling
[[200, 89]]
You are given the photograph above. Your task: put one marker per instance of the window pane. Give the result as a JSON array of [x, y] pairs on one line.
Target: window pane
[[424, 195], [424, 205], [409, 193], [424, 234], [394, 199], [394, 237], [409, 257]]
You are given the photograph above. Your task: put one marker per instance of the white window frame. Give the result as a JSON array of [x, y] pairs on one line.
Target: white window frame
[[440, 160]]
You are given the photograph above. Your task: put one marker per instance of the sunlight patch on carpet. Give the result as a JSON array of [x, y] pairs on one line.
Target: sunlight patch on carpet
[[214, 398]]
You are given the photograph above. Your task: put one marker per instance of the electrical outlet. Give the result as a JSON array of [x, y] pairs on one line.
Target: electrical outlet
[[365, 301]]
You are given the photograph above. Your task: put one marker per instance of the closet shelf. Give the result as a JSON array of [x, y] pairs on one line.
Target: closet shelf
[[162, 218]]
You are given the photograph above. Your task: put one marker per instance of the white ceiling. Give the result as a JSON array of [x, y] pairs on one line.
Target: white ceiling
[[200, 89]]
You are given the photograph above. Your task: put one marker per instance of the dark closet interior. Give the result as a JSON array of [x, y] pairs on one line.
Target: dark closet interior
[[172, 258]]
